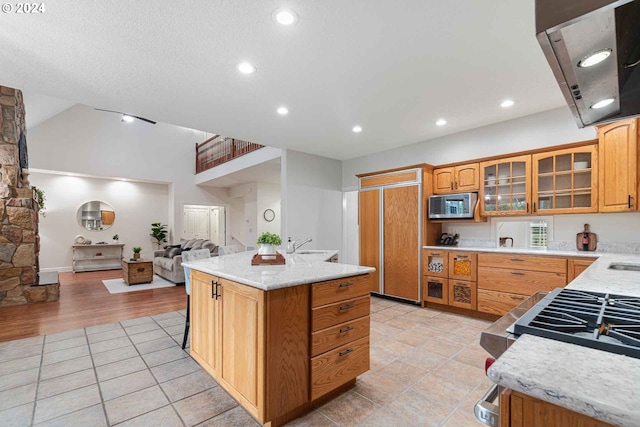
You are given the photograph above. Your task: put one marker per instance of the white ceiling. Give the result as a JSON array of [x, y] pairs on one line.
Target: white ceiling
[[393, 67]]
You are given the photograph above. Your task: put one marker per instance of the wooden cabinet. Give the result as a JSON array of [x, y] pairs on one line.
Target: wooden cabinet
[[136, 272], [205, 321], [576, 266], [456, 179], [450, 278], [463, 265], [435, 289], [435, 263], [463, 294], [566, 181], [521, 410], [618, 172], [505, 186], [97, 257], [369, 222], [505, 280]]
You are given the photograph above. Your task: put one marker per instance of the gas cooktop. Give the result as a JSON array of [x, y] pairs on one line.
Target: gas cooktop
[[603, 321]]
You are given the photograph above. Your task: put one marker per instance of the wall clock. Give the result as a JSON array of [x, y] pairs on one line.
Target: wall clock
[[269, 215]]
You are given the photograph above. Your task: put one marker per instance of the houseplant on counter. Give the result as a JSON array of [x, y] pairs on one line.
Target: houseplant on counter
[[268, 242], [136, 252]]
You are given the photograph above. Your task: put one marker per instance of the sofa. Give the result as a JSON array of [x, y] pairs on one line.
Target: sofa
[[167, 263]]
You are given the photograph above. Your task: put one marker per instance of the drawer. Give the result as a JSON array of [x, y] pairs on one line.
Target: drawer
[[499, 303], [334, 368], [463, 266], [462, 294], [340, 312], [435, 263], [335, 336], [523, 262], [519, 281], [337, 290], [435, 289]]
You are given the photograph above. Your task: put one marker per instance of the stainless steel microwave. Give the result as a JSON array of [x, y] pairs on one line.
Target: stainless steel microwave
[[453, 206]]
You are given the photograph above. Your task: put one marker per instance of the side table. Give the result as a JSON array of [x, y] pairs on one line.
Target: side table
[[136, 272]]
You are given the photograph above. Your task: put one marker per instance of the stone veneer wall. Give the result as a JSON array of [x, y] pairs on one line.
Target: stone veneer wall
[[19, 240]]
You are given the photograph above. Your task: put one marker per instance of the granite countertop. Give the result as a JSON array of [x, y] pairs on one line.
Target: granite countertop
[[596, 383], [302, 268], [544, 252]]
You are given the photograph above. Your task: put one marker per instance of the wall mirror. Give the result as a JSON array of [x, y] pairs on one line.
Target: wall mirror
[[523, 233], [96, 216]]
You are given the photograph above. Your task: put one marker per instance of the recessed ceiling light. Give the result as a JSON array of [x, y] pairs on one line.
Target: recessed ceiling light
[[127, 118], [441, 122], [594, 58], [507, 103], [603, 103], [283, 111], [357, 129], [285, 16], [246, 68]]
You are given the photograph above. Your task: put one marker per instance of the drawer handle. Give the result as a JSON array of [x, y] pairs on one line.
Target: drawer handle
[[140, 269], [344, 353], [517, 273], [434, 254], [346, 284], [347, 329], [517, 259], [346, 307]]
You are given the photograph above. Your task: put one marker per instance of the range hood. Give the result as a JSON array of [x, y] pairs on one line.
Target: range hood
[[570, 32]]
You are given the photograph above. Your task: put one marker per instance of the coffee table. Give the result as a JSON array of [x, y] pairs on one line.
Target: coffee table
[[136, 272]]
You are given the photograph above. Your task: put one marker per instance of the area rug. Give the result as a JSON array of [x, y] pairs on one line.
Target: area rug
[[117, 286]]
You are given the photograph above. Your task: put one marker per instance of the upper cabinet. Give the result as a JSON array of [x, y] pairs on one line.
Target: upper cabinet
[[618, 177], [505, 187], [456, 179], [565, 181]]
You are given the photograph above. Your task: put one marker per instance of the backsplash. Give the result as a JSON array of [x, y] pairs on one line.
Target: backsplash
[[603, 247]]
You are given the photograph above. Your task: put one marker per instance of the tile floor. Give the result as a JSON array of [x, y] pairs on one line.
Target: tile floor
[[427, 369]]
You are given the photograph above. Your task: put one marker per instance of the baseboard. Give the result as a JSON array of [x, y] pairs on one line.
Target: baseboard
[[58, 269]]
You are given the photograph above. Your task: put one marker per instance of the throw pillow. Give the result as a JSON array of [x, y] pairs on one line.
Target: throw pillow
[[208, 244], [189, 244], [197, 244], [172, 252]]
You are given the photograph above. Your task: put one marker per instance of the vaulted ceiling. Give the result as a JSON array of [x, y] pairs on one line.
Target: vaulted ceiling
[[391, 67]]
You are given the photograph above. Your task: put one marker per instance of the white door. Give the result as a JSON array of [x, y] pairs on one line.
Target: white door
[[196, 223], [217, 225]]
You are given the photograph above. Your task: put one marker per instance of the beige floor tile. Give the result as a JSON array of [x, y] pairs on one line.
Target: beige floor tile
[[395, 347], [126, 384], [416, 408], [143, 327], [442, 348], [380, 316], [236, 417], [136, 321], [393, 312], [20, 364], [106, 335], [164, 356], [383, 301], [442, 390], [402, 373], [61, 336], [385, 418], [205, 405], [378, 388], [470, 401], [64, 383], [414, 337], [401, 323], [423, 359], [19, 416], [65, 354], [50, 347], [188, 385], [348, 409], [388, 330], [380, 357], [312, 419], [461, 372], [120, 368], [66, 367], [462, 419], [103, 328], [472, 356], [135, 404], [163, 417], [92, 416], [155, 345], [18, 379], [175, 369], [406, 307], [114, 355], [66, 403]]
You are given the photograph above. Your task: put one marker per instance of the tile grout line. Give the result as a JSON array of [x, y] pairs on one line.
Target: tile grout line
[[35, 396], [95, 373]]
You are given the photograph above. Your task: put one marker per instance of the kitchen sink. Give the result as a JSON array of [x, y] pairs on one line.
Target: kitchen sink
[[309, 252], [624, 266]]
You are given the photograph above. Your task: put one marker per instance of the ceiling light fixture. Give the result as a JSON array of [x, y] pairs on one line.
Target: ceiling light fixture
[[507, 103], [246, 68], [441, 122], [285, 16], [127, 118], [357, 129], [594, 58], [603, 103], [283, 111]]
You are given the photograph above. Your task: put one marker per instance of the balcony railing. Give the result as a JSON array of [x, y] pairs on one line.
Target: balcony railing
[[221, 149]]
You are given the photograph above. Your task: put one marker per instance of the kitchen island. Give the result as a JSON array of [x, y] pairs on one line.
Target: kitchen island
[[599, 384], [280, 339]]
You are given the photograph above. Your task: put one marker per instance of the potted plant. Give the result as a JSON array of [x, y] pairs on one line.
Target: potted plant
[[268, 242], [136, 252], [40, 199], [115, 238], [159, 233]]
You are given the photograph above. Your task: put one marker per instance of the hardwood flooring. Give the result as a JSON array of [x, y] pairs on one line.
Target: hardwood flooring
[[85, 301]]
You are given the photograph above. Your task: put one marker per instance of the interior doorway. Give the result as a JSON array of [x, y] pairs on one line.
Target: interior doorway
[[205, 222]]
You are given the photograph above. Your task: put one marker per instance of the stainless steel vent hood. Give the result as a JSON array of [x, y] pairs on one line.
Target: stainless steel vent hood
[[570, 32]]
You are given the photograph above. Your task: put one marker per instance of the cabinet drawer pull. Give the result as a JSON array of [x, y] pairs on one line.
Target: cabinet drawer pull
[[346, 307], [347, 329], [630, 201], [345, 284], [435, 254], [344, 353], [218, 295], [517, 260], [517, 273], [213, 287]]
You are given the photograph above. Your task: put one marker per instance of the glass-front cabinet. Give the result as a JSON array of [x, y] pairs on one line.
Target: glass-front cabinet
[[505, 188], [564, 181], [436, 289]]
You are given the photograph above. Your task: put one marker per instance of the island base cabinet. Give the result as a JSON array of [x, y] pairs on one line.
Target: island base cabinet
[[204, 313], [520, 410], [337, 367]]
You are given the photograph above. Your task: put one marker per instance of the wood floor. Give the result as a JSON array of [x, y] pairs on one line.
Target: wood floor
[[85, 301]]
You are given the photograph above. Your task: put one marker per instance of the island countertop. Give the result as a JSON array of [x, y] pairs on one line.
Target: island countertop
[[300, 268], [596, 383]]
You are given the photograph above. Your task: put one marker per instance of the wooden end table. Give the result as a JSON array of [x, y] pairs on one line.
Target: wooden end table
[[136, 272]]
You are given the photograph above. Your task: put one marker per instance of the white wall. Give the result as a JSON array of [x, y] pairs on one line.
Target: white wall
[[268, 197], [136, 206], [311, 199], [544, 129], [84, 141]]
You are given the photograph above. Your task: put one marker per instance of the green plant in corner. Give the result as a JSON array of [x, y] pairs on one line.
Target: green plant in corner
[[159, 232], [40, 199], [267, 238]]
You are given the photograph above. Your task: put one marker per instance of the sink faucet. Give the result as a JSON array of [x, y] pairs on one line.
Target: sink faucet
[[298, 245]]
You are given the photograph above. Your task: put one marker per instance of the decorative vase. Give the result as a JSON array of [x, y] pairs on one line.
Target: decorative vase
[[136, 255], [266, 249]]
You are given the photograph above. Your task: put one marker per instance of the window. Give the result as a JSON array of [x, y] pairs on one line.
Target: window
[[538, 234]]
